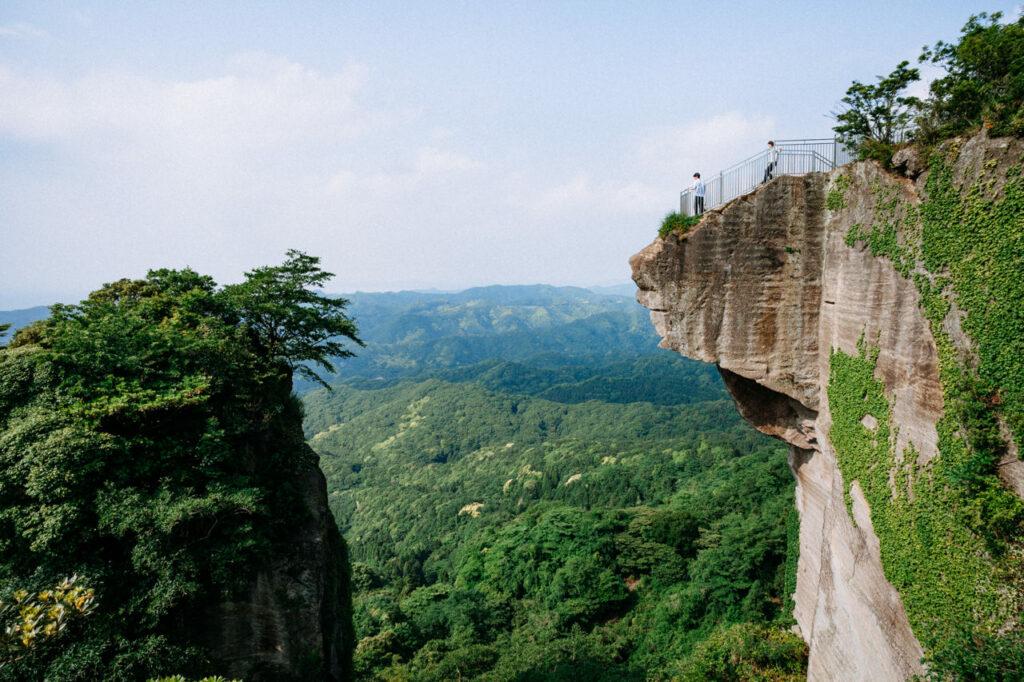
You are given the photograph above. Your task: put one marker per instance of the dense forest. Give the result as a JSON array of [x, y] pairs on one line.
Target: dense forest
[[532, 490]]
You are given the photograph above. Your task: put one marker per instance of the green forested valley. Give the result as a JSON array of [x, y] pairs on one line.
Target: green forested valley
[[531, 490]]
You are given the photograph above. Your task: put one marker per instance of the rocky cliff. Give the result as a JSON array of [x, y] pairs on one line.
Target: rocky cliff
[[295, 620], [836, 307]]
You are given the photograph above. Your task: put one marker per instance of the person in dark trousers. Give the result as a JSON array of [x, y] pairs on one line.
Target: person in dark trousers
[[698, 194], [773, 161]]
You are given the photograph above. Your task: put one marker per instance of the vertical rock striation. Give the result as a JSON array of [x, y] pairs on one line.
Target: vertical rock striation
[[767, 288], [294, 622]]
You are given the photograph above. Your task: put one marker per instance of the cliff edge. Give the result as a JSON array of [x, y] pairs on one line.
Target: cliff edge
[[293, 621], [836, 307]]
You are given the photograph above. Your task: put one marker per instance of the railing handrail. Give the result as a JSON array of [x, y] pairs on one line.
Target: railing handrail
[[795, 157], [778, 145]]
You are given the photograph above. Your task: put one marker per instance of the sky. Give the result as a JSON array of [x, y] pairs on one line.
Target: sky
[[409, 144]]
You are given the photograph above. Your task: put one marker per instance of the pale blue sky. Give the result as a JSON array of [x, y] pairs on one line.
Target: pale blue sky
[[409, 144]]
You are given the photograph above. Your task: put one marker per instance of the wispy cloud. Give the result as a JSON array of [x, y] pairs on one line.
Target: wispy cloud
[[259, 101], [587, 194], [707, 145], [430, 164], [21, 30]]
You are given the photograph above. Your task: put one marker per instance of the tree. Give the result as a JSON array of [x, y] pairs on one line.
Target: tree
[[149, 441], [984, 81], [290, 324], [876, 117]]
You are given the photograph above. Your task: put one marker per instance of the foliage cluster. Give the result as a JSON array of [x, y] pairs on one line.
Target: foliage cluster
[[31, 621], [499, 535], [179, 678], [882, 237], [952, 535], [877, 116], [836, 199], [149, 443], [749, 652], [984, 81], [983, 86], [678, 224]]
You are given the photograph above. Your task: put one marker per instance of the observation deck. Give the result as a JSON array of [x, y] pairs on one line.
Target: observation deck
[[796, 157]]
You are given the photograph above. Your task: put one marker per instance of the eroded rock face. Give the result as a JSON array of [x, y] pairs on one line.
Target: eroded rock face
[[294, 621], [767, 288]]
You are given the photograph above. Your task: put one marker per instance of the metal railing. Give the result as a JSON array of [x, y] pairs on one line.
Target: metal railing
[[796, 157]]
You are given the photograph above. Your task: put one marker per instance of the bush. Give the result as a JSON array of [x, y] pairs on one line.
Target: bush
[[678, 223], [749, 653], [972, 655]]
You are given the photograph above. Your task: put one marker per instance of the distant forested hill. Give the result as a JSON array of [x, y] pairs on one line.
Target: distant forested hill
[[532, 490], [408, 332], [20, 318]]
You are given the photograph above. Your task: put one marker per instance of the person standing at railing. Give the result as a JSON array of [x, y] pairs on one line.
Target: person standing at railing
[[698, 190], [773, 161]]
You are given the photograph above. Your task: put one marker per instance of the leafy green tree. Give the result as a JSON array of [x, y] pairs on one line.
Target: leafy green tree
[[149, 441], [876, 117], [289, 323], [748, 653], [984, 81]]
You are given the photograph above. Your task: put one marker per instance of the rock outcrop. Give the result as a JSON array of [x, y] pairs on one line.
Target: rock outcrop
[[766, 288], [294, 622], [863, 266]]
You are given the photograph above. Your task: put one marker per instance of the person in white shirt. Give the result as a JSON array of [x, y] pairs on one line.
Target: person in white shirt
[[773, 162], [698, 194]]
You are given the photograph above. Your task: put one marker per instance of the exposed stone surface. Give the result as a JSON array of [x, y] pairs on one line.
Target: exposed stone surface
[[908, 162], [293, 623], [766, 288]]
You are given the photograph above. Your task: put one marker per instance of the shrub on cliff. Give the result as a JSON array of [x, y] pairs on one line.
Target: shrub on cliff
[[678, 223], [148, 444], [984, 81], [748, 652]]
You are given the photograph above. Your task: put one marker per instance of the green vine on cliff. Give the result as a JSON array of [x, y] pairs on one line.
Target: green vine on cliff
[[951, 535], [836, 200], [930, 555], [883, 236]]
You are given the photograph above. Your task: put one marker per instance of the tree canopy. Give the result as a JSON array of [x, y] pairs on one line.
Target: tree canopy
[[287, 322], [876, 117], [149, 444], [984, 81], [983, 87]]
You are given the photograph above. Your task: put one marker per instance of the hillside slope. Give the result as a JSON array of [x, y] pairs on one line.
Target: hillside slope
[[594, 511]]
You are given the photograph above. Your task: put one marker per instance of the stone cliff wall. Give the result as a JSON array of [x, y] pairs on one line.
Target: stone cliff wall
[[771, 287], [294, 622]]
